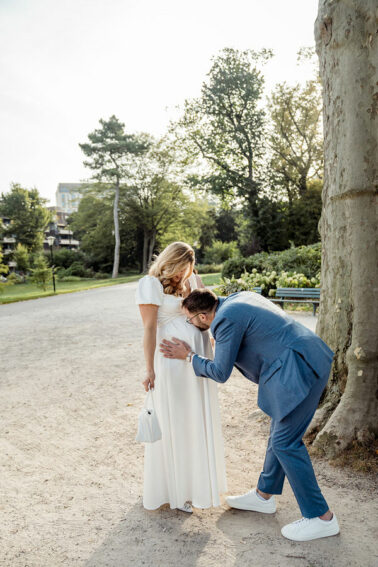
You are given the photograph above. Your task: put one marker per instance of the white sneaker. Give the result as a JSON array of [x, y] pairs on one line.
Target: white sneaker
[[307, 529], [251, 501], [186, 508]]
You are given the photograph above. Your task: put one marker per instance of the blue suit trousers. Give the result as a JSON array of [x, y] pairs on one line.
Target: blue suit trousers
[[287, 455]]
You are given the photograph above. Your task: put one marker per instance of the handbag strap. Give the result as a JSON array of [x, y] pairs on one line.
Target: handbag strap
[[147, 398]]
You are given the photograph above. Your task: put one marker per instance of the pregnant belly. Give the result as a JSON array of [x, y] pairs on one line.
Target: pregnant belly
[[178, 328]]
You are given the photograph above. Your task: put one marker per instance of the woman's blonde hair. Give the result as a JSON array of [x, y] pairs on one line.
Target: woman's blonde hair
[[175, 258]]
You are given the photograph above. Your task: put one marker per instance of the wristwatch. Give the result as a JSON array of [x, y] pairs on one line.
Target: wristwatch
[[189, 356]]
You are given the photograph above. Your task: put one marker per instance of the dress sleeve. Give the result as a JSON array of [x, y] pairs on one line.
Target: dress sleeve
[[149, 291]]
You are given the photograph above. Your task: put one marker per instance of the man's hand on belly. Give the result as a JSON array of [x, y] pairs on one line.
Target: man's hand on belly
[[175, 348]]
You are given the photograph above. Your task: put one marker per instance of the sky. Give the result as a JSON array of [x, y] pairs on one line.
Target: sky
[[64, 64]]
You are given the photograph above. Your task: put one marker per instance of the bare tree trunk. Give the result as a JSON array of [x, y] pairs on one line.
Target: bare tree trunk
[[151, 246], [145, 251], [116, 232], [346, 39]]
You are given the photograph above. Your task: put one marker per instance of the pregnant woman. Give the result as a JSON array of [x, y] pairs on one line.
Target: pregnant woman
[[186, 467]]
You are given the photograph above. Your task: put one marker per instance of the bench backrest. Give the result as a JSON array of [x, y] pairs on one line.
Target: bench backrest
[[257, 290], [302, 292]]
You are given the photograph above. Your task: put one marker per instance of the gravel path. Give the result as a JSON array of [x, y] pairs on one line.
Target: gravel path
[[71, 472]]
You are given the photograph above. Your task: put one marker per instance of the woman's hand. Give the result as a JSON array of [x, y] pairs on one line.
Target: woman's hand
[[149, 381]]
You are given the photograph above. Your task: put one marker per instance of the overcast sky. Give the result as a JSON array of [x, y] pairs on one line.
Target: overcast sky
[[64, 64]]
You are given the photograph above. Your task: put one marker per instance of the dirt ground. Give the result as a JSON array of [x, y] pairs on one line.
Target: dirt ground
[[71, 473]]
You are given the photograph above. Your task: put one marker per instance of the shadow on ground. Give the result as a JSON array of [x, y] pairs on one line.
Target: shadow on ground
[[164, 537]]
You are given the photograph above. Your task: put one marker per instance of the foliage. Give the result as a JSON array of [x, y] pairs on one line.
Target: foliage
[[69, 278], [209, 268], [41, 273], [21, 256], [92, 225], [296, 138], [219, 252], [303, 259], [29, 217], [194, 224], [63, 258], [266, 230], [3, 270], [304, 214], [224, 127], [268, 281], [292, 279], [14, 278], [153, 198], [111, 154]]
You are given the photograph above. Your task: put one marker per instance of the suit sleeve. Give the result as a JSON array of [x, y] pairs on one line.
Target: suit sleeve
[[228, 335]]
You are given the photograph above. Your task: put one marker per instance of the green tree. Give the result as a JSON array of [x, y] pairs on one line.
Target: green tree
[[41, 273], [220, 251], [225, 126], [28, 214], [92, 224], [194, 223], [4, 269], [21, 256], [111, 153], [153, 197], [302, 218], [296, 139]]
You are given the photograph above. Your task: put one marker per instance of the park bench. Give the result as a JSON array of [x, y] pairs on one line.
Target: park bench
[[298, 295], [257, 290]]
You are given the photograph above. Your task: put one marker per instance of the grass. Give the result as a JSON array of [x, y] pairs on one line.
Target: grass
[[211, 279], [24, 292]]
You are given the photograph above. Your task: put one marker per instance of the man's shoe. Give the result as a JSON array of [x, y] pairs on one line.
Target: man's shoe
[[186, 508], [307, 529], [251, 501]]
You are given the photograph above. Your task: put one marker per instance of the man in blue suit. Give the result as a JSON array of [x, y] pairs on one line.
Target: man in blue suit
[[291, 365]]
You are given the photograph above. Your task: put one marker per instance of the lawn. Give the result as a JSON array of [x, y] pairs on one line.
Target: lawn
[[23, 292]]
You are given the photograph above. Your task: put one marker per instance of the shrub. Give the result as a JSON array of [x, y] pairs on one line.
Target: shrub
[[209, 268], [14, 278], [77, 269], [302, 259], [220, 251], [41, 273], [69, 279], [268, 281], [101, 276], [65, 258]]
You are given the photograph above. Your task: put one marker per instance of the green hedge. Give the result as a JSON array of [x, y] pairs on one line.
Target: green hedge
[[302, 259]]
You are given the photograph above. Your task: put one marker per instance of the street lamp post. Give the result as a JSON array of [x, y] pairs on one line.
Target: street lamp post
[[51, 240]]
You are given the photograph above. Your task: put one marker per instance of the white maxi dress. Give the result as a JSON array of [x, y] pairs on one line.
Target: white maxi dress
[[187, 464]]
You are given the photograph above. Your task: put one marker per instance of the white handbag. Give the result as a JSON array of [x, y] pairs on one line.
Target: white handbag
[[148, 424]]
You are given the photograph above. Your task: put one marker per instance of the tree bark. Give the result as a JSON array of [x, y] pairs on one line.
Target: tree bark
[[346, 41], [116, 232], [145, 252], [151, 246]]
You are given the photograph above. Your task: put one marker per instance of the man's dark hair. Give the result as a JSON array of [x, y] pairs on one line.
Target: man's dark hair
[[200, 301]]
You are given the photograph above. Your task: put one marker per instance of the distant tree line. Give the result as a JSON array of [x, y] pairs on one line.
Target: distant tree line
[[235, 175]]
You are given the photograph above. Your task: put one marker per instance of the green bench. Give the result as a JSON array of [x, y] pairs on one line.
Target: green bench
[[298, 295]]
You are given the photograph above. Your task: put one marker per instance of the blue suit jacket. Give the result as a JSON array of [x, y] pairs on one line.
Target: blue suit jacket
[[269, 348]]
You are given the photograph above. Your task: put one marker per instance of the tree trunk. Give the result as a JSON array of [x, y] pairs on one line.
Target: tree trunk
[[346, 39], [145, 251], [116, 232], [151, 246]]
